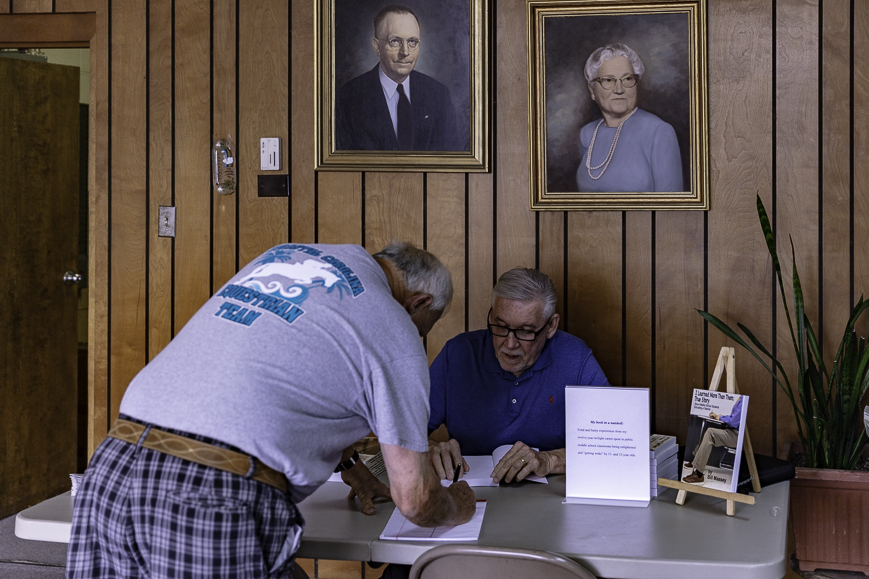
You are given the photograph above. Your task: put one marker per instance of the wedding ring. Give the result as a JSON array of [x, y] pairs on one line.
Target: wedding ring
[[523, 460]]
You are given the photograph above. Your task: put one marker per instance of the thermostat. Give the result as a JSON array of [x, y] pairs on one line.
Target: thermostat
[[270, 154]]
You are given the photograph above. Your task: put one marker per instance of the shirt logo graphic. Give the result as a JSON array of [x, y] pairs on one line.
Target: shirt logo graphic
[[303, 273], [279, 285]]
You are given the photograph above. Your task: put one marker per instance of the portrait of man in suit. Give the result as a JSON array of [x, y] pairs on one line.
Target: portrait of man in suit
[[392, 106]]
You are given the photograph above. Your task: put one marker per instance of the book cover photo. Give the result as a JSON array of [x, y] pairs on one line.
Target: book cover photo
[[716, 430]]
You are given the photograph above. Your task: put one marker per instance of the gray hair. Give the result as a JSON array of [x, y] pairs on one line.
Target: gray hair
[[392, 9], [523, 284], [608, 52], [422, 271]]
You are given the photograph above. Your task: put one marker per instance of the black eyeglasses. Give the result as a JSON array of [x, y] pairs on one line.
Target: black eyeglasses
[[523, 335], [609, 83]]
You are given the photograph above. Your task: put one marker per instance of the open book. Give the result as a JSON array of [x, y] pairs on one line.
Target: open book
[[480, 474], [716, 429]]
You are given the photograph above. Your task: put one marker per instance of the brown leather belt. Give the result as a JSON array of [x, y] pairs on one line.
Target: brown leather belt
[[197, 451]]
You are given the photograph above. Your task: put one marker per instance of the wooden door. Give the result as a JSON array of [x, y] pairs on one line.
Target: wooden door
[[39, 136]]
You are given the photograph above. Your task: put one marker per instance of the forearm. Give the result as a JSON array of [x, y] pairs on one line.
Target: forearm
[[555, 460], [418, 493]]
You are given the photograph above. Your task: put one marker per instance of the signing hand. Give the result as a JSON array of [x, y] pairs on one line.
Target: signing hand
[[522, 460], [445, 456], [466, 502], [366, 486]]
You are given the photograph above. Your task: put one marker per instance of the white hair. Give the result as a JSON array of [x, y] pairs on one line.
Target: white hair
[[608, 52], [423, 273], [522, 284]]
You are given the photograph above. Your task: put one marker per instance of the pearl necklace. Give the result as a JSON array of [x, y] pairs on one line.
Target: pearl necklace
[[606, 162]]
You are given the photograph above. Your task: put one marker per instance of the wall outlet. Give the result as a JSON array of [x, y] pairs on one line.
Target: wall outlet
[[270, 154]]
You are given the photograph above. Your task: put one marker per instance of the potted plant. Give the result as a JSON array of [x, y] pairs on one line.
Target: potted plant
[[827, 407]]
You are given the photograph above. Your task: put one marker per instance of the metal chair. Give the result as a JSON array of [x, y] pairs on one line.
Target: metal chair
[[472, 561]]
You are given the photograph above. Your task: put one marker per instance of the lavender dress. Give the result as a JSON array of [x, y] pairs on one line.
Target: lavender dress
[[646, 157]]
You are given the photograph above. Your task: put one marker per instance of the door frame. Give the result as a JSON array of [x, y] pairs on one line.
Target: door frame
[[85, 29]]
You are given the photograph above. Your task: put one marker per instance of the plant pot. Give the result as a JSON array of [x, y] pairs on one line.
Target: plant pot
[[830, 515]]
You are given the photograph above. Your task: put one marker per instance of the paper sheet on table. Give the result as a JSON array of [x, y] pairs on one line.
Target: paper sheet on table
[[480, 474], [398, 528]]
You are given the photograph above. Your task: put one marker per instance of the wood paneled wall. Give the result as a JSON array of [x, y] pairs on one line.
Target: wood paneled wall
[[789, 119]]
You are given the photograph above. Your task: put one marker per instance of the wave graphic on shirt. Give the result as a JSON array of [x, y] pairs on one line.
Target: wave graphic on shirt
[[292, 280]]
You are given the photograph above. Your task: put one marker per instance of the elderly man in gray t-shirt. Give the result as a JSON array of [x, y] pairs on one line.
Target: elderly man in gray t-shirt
[[253, 404]]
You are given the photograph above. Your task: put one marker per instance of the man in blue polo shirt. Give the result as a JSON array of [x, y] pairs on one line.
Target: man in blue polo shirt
[[505, 384]]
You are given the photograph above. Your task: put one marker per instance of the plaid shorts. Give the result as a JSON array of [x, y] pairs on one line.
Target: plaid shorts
[[142, 513]]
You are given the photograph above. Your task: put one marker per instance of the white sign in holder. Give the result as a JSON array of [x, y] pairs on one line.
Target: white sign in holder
[[607, 445]]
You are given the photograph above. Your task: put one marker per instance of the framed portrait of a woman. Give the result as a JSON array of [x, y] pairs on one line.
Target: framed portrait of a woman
[[402, 86], [618, 116]]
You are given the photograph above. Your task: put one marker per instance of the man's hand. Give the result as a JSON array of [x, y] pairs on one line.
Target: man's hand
[[465, 500], [418, 493], [714, 416], [445, 456], [522, 460], [365, 486]]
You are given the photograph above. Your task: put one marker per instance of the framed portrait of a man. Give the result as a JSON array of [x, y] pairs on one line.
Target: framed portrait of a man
[[402, 86], [618, 116]]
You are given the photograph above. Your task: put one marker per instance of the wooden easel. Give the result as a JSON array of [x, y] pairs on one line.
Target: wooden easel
[[726, 361]]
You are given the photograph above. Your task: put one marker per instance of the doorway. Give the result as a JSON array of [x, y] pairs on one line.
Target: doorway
[[81, 27], [41, 260], [80, 58]]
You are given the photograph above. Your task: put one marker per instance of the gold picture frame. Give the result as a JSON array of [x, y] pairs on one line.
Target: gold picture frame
[[451, 60], [564, 118]]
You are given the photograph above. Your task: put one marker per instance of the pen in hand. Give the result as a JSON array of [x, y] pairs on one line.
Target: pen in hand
[[458, 470]]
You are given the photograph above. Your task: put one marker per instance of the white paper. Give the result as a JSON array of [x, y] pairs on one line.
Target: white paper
[[480, 474], [398, 528], [607, 438]]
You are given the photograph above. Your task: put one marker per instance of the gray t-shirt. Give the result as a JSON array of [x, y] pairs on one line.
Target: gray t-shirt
[[302, 353]]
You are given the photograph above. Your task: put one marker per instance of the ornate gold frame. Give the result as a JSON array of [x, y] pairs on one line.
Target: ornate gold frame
[[697, 198], [476, 159]]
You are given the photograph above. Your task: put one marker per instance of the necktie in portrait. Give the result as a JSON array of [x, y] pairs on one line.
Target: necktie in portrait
[[405, 121]]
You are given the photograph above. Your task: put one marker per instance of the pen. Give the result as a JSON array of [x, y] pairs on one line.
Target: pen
[[458, 470]]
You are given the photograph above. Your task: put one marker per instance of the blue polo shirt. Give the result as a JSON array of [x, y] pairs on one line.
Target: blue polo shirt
[[484, 406]]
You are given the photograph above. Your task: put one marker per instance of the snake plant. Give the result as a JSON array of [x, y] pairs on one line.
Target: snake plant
[[826, 404]]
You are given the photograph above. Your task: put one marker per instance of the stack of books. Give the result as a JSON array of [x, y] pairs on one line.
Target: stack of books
[[663, 460]]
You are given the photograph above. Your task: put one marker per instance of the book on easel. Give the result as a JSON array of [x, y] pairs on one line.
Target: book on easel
[[716, 431], [694, 482]]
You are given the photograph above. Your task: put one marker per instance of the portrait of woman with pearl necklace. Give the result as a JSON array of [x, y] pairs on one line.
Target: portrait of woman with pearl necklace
[[648, 159], [618, 113]]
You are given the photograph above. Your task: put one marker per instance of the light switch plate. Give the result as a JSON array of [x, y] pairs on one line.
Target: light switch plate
[[270, 154], [166, 221]]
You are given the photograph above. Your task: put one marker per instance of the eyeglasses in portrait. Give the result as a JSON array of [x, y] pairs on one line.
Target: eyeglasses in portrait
[[618, 114]]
